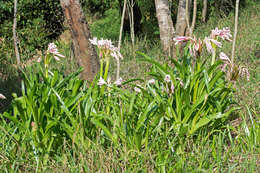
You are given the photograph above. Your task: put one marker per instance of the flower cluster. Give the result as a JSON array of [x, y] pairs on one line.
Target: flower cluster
[[195, 46], [101, 82], [106, 48], [224, 34], [242, 71], [210, 42], [167, 79], [52, 48]]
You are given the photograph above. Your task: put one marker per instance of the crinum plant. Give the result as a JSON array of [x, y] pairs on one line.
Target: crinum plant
[[194, 95]]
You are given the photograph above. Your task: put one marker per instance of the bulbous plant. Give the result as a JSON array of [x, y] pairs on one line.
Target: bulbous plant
[[194, 96], [47, 100]]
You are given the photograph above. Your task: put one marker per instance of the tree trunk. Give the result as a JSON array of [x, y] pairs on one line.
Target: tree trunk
[[18, 60], [235, 33], [120, 38], [181, 23], [167, 31], [84, 51], [122, 25], [132, 24], [194, 16], [204, 10]]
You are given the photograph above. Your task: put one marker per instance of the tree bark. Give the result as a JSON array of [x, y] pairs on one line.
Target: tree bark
[[85, 53], [204, 10], [18, 60], [167, 31], [194, 16], [181, 23]]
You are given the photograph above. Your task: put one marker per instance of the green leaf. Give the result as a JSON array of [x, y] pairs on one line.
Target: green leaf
[[104, 128]]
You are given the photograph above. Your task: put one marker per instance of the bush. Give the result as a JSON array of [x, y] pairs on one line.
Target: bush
[[108, 26]]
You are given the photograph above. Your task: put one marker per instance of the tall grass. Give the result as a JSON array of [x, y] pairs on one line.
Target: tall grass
[[58, 123]]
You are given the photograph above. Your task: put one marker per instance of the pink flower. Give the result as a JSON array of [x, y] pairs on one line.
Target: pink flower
[[39, 60], [172, 88], [101, 81], [167, 78], [52, 48], [181, 82], [215, 32], [196, 47], [223, 67], [117, 55], [224, 57], [118, 82], [33, 124], [217, 43], [209, 43], [106, 46], [224, 34], [103, 44], [180, 39]]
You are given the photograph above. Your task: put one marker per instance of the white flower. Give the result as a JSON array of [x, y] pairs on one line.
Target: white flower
[[116, 54], [106, 45], [101, 82], [151, 81], [94, 41], [167, 78], [2, 96], [244, 72], [224, 57], [118, 82], [180, 39], [52, 48], [137, 89]]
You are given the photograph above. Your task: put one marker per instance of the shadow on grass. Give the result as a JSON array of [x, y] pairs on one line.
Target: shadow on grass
[[10, 82]]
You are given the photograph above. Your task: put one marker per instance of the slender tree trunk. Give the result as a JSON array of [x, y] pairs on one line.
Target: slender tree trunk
[[194, 16], [18, 60], [84, 51], [120, 39], [122, 25], [204, 10], [167, 31], [187, 16], [181, 23], [235, 32], [131, 19]]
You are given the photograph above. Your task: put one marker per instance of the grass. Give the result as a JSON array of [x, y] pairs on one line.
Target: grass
[[234, 149]]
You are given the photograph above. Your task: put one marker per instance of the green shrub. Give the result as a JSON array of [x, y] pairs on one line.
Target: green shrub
[[108, 26]]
